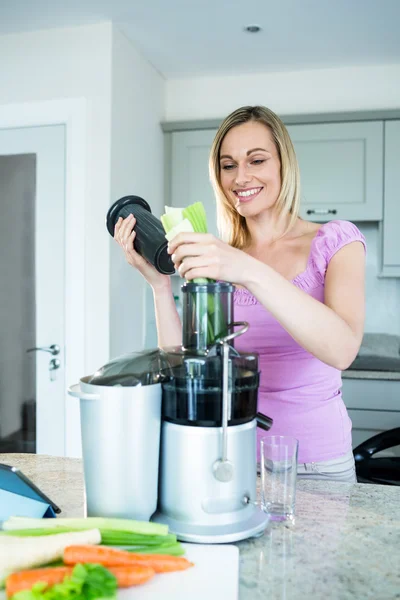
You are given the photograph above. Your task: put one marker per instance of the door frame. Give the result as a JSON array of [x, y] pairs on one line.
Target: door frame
[[72, 114]]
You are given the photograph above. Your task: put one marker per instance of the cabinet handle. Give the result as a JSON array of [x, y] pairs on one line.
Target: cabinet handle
[[321, 211]]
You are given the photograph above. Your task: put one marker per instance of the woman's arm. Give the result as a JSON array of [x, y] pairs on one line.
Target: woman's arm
[[169, 326], [332, 331]]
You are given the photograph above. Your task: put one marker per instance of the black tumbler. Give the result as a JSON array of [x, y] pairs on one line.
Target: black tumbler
[[150, 241]]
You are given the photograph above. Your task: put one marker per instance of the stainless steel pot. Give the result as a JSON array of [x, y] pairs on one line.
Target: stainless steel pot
[[120, 429]]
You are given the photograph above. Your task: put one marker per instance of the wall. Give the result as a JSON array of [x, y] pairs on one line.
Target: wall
[[74, 63], [316, 91], [137, 164]]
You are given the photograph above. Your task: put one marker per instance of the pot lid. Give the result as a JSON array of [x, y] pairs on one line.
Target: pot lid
[[128, 370]]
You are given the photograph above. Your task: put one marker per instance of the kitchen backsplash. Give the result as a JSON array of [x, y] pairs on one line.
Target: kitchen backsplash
[[382, 294]]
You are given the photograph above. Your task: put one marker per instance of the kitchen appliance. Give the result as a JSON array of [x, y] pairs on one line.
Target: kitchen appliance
[[150, 241], [208, 440], [120, 415], [201, 401]]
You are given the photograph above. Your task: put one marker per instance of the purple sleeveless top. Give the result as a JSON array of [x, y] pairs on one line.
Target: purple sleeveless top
[[298, 391]]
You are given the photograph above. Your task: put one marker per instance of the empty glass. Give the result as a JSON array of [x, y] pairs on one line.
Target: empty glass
[[278, 476]]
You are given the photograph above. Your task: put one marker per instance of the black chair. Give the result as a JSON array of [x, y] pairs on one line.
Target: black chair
[[383, 470]]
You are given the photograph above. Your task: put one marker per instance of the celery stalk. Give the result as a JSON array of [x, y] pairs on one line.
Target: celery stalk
[[134, 542], [194, 218], [138, 527]]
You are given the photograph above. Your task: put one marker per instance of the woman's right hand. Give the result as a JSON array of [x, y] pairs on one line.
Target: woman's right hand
[[125, 235]]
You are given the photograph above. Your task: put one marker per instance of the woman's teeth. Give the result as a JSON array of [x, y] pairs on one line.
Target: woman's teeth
[[248, 193]]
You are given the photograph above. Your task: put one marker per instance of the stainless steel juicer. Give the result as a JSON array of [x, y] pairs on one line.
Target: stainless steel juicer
[[196, 404], [209, 420]]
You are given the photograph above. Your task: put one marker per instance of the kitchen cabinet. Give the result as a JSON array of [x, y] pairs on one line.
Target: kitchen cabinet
[[341, 167], [391, 221], [341, 170], [373, 406]]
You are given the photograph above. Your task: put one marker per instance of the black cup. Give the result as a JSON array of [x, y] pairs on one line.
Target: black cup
[[150, 239]]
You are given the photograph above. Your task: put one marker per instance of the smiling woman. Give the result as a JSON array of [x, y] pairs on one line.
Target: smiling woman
[[253, 158], [300, 287]]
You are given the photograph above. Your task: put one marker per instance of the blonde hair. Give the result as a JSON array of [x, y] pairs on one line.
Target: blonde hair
[[232, 226]]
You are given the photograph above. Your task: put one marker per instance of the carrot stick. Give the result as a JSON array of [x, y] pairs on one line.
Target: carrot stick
[[126, 576], [24, 580], [112, 557], [132, 575]]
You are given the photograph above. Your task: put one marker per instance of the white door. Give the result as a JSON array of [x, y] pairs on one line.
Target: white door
[[32, 264]]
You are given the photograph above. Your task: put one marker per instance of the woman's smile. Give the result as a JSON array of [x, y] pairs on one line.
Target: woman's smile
[[247, 194]]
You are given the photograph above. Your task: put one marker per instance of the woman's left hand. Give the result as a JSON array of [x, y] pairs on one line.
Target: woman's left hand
[[198, 255]]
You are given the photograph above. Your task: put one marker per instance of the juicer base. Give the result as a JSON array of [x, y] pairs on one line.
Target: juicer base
[[215, 534]]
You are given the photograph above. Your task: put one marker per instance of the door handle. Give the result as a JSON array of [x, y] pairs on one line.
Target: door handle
[[54, 349]]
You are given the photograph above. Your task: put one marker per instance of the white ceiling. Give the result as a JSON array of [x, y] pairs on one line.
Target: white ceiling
[[184, 38]]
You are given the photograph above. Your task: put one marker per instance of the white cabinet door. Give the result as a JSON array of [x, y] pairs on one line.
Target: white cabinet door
[[391, 240], [367, 423], [190, 181], [373, 406], [341, 170]]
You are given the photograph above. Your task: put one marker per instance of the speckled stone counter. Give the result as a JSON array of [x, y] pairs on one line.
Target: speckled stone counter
[[344, 544]]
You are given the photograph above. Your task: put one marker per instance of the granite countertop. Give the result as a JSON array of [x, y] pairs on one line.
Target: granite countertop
[[344, 544]]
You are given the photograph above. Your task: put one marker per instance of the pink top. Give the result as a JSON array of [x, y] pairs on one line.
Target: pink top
[[299, 392]]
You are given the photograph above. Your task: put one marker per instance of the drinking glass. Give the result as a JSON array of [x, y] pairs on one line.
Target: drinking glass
[[278, 476]]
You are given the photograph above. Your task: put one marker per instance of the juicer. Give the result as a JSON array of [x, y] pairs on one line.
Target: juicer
[[175, 428], [208, 475]]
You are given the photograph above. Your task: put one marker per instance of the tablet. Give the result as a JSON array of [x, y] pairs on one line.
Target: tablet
[[13, 480]]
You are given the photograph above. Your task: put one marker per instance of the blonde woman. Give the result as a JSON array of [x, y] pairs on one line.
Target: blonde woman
[[300, 285]]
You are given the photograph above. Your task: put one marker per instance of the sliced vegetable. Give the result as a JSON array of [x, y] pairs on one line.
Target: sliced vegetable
[[24, 580], [18, 553], [173, 550], [194, 218], [196, 214], [140, 527], [172, 217], [110, 557], [125, 576], [128, 576], [87, 582], [184, 226], [181, 220], [137, 542]]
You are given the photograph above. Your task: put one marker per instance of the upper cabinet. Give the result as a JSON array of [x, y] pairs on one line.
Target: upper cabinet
[[341, 170], [391, 218], [349, 170]]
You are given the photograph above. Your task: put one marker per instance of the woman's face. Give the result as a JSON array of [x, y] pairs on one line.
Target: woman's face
[[250, 168]]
